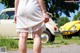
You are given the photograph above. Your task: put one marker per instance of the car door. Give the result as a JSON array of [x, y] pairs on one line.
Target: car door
[[7, 25]]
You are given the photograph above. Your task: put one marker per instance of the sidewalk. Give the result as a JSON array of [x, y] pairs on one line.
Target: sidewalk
[[63, 49]]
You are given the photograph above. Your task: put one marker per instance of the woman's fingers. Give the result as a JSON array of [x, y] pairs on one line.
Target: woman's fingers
[[14, 19], [46, 16], [46, 20]]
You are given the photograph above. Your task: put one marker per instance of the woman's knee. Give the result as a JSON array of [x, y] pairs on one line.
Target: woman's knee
[[23, 35]]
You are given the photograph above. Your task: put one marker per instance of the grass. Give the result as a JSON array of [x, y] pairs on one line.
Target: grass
[[12, 44], [59, 41]]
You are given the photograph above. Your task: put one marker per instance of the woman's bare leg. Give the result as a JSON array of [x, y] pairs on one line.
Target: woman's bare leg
[[22, 42], [37, 41]]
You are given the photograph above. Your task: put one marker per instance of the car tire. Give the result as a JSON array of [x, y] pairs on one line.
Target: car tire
[[46, 36], [67, 36], [79, 34]]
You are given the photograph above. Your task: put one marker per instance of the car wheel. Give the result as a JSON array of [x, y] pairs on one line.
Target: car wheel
[[70, 36], [64, 37], [46, 36], [79, 34], [67, 36]]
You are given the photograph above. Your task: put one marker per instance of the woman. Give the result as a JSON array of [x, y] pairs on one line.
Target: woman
[[30, 16]]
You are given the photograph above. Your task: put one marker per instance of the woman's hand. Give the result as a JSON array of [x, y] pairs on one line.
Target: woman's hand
[[46, 16], [14, 18]]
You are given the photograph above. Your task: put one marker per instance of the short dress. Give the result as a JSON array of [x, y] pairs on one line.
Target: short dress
[[29, 16]]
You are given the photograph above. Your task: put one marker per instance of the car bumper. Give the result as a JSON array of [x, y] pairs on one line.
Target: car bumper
[[57, 33], [67, 32]]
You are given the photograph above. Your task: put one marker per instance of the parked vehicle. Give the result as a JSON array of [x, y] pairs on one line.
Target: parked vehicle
[[70, 29], [51, 32], [8, 27]]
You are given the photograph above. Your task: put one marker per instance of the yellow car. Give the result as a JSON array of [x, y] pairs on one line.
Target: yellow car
[[70, 29]]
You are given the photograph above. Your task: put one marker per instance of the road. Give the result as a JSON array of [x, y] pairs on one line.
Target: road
[[73, 48]]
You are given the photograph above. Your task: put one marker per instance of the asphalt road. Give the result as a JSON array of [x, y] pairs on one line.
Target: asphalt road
[[73, 48]]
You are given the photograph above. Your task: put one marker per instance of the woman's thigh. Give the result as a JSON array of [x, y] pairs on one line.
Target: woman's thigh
[[37, 33], [23, 34]]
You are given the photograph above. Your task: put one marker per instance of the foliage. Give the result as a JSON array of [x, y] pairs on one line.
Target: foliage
[[76, 16], [8, 3], [62, 20], [56, 7]]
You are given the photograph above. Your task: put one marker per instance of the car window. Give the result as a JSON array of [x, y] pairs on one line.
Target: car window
[[4, 16], [7, 15], [11, 17]]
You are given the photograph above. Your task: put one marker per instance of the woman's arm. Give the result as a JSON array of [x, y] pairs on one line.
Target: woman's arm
[[42, 6], [43, 10], [16, 7]]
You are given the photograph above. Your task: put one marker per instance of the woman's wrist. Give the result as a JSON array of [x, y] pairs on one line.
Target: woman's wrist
[[44, 11], [15, 14]]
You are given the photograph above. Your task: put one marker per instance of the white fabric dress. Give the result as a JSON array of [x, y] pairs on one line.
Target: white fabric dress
[[29, 16]]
